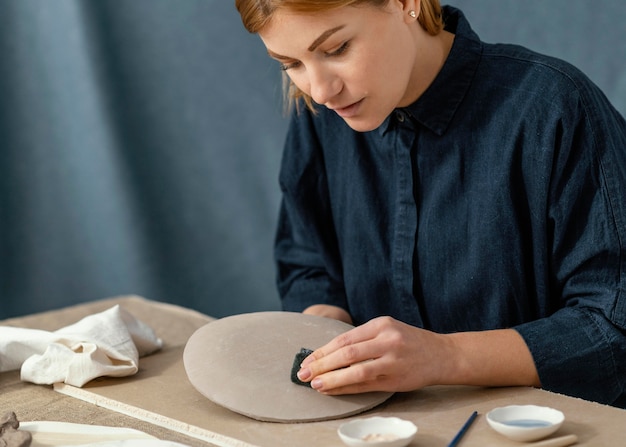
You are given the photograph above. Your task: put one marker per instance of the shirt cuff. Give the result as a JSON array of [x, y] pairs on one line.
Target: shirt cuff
[[576, 352]]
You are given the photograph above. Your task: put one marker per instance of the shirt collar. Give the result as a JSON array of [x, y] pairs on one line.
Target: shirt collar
[[436, 107]]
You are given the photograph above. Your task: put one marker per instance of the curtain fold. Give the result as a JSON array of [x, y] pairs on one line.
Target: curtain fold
[[131, 157]]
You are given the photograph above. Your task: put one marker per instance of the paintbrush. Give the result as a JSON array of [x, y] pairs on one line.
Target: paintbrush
[[455, 441]]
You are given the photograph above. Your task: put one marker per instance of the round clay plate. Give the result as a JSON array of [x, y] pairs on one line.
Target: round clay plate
[[244, 362]]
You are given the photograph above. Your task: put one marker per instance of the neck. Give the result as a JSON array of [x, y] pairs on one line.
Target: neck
[[430, 57]]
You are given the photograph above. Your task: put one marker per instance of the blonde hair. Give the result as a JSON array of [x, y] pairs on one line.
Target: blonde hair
[[256, 14]]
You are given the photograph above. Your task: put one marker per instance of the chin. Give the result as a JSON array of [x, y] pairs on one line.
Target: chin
[[364, 124]]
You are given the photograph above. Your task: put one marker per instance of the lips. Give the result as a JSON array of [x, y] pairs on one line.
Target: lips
[[348, 111]]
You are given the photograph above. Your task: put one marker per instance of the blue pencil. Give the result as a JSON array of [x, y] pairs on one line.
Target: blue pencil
[[463, 429]]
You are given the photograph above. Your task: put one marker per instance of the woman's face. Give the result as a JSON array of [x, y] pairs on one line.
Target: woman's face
[[359, 61]]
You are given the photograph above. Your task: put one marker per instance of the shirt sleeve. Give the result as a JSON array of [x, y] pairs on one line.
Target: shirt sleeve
[[305, 250], [581, 348]]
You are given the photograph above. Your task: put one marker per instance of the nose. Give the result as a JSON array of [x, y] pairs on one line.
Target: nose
[[324, 85]]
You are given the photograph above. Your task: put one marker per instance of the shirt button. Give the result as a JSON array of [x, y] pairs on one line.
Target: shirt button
[[400, 117]]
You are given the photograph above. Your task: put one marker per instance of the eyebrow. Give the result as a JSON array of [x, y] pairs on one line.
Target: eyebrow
[[325, 35], [316, 43]]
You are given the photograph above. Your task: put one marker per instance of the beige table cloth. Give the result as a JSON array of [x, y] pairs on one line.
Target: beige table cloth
[[160, 399]]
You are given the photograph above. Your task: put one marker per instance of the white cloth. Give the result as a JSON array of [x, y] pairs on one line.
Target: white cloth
[[104, 344]]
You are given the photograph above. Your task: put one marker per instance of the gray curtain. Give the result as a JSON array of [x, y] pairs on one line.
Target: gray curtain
[[140, 142]]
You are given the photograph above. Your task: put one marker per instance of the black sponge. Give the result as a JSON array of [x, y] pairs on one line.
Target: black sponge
[[297, 361]]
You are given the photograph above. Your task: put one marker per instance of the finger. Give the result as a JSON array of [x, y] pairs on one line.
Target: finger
[[359, 334], [355, 388], [358, 378], [345, 357]]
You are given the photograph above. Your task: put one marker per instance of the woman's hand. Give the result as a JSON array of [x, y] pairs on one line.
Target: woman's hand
[[388, 355], [383, 355]]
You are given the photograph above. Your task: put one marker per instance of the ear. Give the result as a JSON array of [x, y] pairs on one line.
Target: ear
[[410, 9]]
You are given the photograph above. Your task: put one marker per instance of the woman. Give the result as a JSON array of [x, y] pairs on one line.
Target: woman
[[463, 204]]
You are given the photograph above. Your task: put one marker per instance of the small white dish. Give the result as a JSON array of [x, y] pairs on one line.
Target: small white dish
[[377, 431], [525, 422]]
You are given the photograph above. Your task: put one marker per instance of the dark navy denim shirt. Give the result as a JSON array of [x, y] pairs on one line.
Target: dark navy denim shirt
[[496, 200]]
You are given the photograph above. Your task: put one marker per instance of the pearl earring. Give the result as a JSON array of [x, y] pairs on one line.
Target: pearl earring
[[413, 14]]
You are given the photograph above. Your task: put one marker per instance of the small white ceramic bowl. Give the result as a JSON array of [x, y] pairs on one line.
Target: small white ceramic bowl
[[377, 431], [525, 422]]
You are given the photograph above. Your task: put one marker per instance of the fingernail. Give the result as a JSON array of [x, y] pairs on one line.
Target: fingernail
[[316, 383], [304, 374], [306, 361]]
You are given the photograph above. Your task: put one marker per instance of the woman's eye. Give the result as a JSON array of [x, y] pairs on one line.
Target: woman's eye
[[339, 51], [289, 66], [284, 66]]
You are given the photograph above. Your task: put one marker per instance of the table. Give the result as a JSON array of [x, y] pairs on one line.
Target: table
[[159, 400]]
